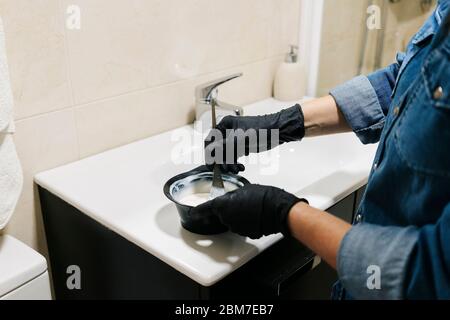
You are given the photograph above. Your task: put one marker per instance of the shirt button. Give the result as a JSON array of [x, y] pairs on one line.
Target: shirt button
[[396, 111], [358, 218], [375, 166], [438, 93]]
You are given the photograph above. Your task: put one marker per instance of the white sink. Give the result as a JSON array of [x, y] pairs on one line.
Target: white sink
[[122, 189]]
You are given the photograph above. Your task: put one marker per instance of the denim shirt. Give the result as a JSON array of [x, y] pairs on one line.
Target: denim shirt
[[401, 230]]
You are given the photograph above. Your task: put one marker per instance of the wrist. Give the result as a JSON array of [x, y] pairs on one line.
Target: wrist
[[287, 212], [295, 212]]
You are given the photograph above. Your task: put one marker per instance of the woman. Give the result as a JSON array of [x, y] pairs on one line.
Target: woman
[[403, 224]]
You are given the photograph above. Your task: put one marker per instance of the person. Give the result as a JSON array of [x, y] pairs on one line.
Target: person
[[403, 223]]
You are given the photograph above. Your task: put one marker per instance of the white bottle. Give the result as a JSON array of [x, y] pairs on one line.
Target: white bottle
[[290, 79]]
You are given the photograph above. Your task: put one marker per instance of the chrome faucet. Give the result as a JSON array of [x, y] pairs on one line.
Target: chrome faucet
[[205, 94]]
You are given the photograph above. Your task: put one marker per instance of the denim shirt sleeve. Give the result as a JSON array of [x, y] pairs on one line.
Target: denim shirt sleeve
[[365, 101], [413, 262]]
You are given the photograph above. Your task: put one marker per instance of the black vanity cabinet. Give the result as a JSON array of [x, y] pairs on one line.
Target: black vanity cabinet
[[114, 268]]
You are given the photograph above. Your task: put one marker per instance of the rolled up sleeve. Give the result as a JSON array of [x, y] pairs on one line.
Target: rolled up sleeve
[[359, 103], [414, 263], [387, 248], [365, 100]]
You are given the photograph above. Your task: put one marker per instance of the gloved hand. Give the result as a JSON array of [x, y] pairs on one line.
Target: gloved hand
[[233, 138], [252, 211]]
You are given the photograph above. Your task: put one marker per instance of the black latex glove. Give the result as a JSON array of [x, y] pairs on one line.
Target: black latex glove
[[252, 211], [289, 122]]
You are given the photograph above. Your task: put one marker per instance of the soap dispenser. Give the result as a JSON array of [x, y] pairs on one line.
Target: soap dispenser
[[290, 79]]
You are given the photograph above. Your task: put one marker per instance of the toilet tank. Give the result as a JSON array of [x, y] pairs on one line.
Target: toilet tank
[[23, 272]]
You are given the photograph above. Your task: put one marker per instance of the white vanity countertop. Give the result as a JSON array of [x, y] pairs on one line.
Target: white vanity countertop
[[122, 189]]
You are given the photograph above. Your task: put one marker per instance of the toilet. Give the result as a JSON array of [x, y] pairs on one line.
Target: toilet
[[23, 272]]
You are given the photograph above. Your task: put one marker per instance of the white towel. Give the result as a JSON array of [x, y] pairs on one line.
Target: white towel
[[11, 178]]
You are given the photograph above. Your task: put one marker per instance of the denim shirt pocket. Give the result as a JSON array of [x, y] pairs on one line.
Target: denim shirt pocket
[[436, 75], [422, 133]]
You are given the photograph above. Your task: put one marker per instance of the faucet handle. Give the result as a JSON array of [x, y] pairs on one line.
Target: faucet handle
[[204, 91]]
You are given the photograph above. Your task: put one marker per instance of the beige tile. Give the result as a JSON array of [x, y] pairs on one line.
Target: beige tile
[[214, 35], [126, 46], [46, 141], [284, 25], [108, 55], [113, 122], [42, 142], [23, 225], [256, 83], [36, 55], [27, 224]]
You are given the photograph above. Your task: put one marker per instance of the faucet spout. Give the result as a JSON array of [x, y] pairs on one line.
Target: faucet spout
[[205, 93]]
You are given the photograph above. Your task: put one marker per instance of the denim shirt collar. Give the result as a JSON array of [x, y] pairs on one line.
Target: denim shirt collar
[[430, 27], [428, 30], [443, 6]]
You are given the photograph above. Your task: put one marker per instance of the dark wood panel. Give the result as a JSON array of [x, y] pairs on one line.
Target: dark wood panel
[[111, 266]]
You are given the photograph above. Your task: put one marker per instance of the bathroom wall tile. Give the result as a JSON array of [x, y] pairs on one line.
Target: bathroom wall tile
[[113, 122], [36, 55], [23, 225], [256, 83], [238, 37], [42, 142], [107, 56], [133, 45], [284, 25]]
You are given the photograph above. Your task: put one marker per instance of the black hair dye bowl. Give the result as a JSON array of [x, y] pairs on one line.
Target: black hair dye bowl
[[199, 181]]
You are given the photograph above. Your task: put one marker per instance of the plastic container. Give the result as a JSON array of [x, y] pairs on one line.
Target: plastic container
[[198, 181], [290, 79]]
